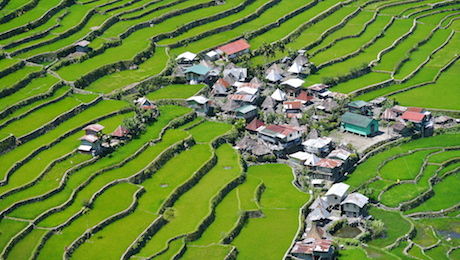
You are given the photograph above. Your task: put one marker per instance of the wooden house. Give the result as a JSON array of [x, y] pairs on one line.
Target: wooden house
[[313, 250], [360, 107], [247, 112], [82, 46], [196, 73], [359, 124], [199, 103], [292, 109], [329, 169]]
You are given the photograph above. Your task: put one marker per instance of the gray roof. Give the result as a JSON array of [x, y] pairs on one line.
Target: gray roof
[[338, 189], [260, 148], [230, 106], [356, 198], [268, 102], [319, 213], [355, 119], [319, 201]]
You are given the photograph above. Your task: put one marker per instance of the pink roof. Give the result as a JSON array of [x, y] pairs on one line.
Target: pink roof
[[234, 47], [120, 131], [94, 127], [251, 85], [328, 163], [413, 116], [283, 129], [255, 124], [89, 138]]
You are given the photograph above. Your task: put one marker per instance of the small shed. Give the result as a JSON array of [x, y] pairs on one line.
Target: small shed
[[359, 124], [82, 46]]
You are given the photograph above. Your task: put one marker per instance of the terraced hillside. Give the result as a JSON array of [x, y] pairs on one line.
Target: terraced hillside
[[56, 203], [416, 178]]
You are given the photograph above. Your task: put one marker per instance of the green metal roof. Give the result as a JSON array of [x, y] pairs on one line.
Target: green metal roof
[[245, 109], [355, 119], [357, 103], [198, 69]]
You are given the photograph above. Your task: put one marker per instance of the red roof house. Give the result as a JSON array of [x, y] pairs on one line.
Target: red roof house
[[234, 49], [120, 132], [304, 97], [413, 116], [255, 125]]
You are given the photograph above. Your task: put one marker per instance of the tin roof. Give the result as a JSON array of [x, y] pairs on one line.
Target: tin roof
[[356, 198], [355, 119], [94, 127], [255, 125], [415, 117], [234, 47], [198, 69], [338, 189]]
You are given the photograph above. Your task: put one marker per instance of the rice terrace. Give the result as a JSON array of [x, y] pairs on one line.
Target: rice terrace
[[230, 129]]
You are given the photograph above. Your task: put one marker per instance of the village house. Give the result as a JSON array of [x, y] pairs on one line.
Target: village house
[[304, 97], [283, 137], [121, 133], [337, 193], [199, 103], [359, 124], [420, 118], [299, 157], [343, 155], [354, 205], [254, 125], [220, 87], [278, 95], [196, 73], [360, 107], [328, 169], [292, 109], [186, 58], [293, 86], [319, 90], [320, 146], [82, 46], [247, 112], [233, 50], [91, 142], [318, 249]]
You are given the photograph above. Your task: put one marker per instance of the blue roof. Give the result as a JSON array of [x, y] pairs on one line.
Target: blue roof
[[198, 69], [246, 109]]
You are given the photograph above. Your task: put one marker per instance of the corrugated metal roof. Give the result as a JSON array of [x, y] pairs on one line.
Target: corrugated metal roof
[[198, 69], [234, 47], [338, 189], [355, 119]]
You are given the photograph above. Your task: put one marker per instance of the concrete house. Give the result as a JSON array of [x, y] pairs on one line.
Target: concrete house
[[359, 124], [320, 145], [343, 155], [293, 86], [354, 205], [292, 109], [337, 193], [233, 50]]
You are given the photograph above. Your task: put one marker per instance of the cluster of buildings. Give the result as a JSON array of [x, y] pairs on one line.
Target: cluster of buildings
[[335, 205]]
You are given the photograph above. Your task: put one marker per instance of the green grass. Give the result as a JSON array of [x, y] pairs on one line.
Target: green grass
[[417, 252], [439, 252], [421, 96], [280, 204], [10, 228], [207, 131], [396, 226], [449, 168], [455, 254], [118, 80], [398, 251], [105, 206], [368, 169], [405, 167], [127, 170], [444, 225], [444, 156], [175, 91], [35, 87], [167, 113], [443, 194], [18, 75], [352, 253], [210, 252], [378, 254], [25, 247], [41, 116], [361, 82], [425, 236], [187, 218]]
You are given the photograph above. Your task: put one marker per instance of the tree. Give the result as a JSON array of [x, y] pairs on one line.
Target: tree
[[376, 227]]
